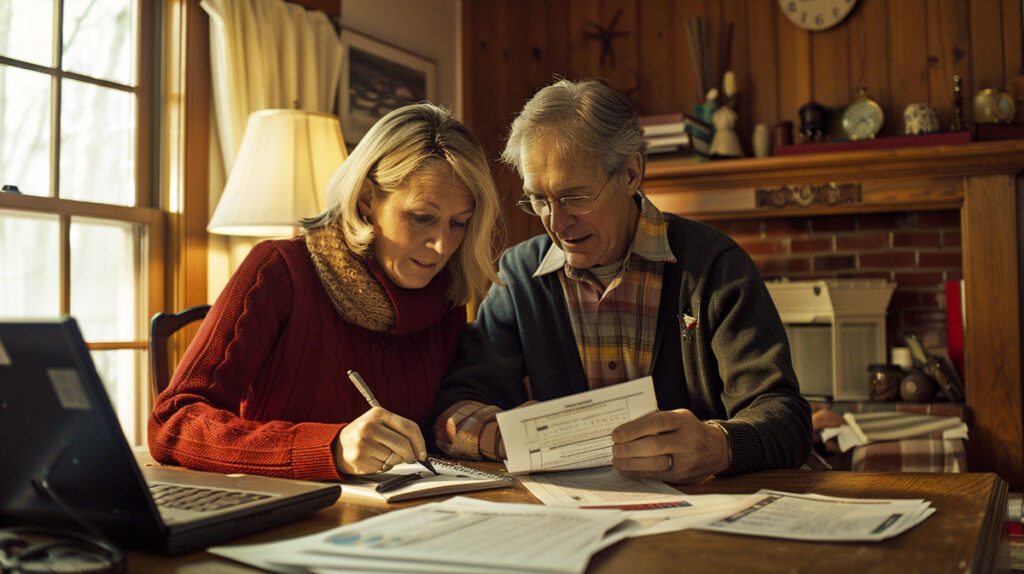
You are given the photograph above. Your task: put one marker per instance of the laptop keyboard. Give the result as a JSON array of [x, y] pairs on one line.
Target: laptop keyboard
[[200, 499]]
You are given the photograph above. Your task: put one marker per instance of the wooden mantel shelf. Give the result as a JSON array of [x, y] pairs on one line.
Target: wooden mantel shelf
[[887, 180], [978, 179]]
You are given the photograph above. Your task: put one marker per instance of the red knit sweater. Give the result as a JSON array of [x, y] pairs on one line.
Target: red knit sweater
[[263, 388]]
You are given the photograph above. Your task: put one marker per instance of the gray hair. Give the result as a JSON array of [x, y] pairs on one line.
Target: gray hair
[[409, 139], [587, 115]]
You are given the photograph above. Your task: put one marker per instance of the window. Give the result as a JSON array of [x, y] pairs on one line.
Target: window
[[78, 223]]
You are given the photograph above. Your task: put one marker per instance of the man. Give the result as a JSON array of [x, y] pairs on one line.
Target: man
[[614, 291]]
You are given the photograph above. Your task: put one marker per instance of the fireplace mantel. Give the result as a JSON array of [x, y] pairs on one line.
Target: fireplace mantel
[[978, 179]]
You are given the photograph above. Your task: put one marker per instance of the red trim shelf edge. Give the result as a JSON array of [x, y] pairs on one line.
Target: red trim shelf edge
[[947, 138]]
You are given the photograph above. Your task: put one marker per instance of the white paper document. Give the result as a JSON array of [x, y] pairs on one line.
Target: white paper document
[[457, 535], [600, 486], [574, 431], [822, 518], [654, 505]]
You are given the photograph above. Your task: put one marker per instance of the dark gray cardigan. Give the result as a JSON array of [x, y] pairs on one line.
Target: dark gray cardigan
[[733, 366]]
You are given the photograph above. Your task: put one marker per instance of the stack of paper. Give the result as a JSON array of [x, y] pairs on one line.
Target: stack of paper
[[654, 506], [457, 535], [822, 518], [571, 435]]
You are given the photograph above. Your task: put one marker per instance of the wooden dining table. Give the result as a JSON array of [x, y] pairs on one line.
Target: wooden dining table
[[967, 532]]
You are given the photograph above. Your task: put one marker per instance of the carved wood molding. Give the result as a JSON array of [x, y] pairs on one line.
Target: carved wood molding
[[963, 160], [889, 180], [829, 195]]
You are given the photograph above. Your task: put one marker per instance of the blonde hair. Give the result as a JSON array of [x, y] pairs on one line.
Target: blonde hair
[[406, 140]]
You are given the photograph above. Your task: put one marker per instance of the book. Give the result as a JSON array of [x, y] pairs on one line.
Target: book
[[452, 477], [667, 143], [664, 129], [678, 139], [662, 124], [700, 134]]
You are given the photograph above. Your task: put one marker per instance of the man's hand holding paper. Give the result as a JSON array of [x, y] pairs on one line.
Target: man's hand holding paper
[[673, 446]]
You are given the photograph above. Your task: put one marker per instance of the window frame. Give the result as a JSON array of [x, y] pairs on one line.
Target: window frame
[[146, 212]]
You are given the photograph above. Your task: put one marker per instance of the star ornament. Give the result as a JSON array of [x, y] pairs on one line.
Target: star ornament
[[606, 34]]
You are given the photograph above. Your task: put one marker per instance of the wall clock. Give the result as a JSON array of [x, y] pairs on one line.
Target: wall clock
[[816, 14]]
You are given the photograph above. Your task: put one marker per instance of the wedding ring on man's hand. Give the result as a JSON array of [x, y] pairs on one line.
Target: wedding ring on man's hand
[[671, 461], [386, 465]]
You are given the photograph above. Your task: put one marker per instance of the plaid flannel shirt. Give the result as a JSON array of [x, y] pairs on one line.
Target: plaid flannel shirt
[[614, 327]]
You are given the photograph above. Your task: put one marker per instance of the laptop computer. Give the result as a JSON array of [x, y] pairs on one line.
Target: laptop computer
[[63, 453]]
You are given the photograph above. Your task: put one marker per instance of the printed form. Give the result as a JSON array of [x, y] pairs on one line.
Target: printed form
[[574, 431]]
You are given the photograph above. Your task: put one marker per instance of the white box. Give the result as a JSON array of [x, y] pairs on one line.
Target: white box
[[833, 361]]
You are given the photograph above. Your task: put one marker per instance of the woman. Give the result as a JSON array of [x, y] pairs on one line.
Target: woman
[[377, 283]]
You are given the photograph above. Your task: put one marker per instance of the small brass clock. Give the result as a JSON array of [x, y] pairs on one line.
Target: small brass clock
[[863, 118], [994, 107], [816, 14]]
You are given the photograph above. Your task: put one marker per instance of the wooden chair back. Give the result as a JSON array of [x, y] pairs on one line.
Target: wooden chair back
[[161, 327]]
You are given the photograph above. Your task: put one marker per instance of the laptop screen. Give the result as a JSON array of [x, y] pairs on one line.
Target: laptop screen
[[61, 444]]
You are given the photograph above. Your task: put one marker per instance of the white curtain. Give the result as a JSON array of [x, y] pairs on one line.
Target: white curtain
[[268, 54], [264, 54]]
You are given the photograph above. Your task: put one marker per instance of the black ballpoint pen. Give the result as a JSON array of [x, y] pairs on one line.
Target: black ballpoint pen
[[364, 390], [397, 481]]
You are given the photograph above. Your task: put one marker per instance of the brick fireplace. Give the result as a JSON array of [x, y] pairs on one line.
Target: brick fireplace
[[919, 216], [918, 250]]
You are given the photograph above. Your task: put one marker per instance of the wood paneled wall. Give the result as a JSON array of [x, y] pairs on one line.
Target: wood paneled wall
[[902, 51]]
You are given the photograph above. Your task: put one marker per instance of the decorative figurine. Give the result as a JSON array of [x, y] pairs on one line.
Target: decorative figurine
[[813, 122], [958, 103], [729, 88], [705, 112], [920, 119], [726, 143]]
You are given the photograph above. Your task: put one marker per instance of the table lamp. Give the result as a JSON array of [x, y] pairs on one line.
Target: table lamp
[[280, 174]]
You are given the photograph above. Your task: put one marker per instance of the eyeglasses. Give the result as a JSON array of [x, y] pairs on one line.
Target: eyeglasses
[[571, 204], [29, 549]]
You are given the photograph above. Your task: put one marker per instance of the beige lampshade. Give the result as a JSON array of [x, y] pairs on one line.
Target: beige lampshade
[[281, 173]]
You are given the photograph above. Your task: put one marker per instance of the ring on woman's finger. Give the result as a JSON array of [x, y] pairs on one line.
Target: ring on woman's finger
[[387, 464], [671, 461]]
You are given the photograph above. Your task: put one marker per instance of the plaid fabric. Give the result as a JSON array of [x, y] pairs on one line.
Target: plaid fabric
[[899, 426], [614, 328], [911, 455], [463, 430], [615, 325]]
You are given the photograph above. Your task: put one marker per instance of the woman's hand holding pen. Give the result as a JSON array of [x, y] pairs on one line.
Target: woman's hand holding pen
[[376, 441]]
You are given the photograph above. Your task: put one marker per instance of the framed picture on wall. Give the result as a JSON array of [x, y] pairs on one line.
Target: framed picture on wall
[[376, 78]]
